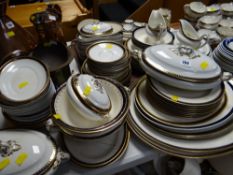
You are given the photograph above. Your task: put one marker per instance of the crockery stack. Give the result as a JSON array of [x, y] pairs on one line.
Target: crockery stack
[[223, 54], [183, 107], [108, 59], [93, 30], [26, 91], [90, 112]]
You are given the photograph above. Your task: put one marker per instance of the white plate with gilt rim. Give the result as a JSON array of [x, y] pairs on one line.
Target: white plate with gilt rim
[[106, 52], [198, 145], [22, 79], [149, 109]]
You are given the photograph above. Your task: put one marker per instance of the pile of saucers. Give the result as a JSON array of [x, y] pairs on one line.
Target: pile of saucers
[[90, 112], [108, 59], [183, 107], [223, 54], [93, 30], [26, 91]]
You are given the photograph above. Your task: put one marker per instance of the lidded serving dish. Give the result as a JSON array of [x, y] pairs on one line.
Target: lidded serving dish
[[93, 30], [88, 110], [182, 107], [28, 152], [181, 67], [26, 90], [108, 59]]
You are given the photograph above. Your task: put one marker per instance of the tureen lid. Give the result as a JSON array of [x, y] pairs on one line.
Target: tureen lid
[[25, 152], [91, 92], [181, 62]]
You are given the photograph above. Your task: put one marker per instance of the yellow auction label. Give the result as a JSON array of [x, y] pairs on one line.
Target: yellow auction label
[[38, 8], [57, 116], [4, 163], [95, 28], [213, 9], [21, 159], [10, 34], [174, 98], [23, 84], [204, 65], [87, 90], [109, 46]]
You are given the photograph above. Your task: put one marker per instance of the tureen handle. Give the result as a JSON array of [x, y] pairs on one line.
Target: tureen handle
[[206, 39], [61, 158], [184, 50], [226, 76]]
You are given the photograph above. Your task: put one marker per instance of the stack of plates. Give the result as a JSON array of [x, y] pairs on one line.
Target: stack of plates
[[92, 30], [26, 91], [108, 59], [94, 139], [182, 107], [223, 54], [181, 136]]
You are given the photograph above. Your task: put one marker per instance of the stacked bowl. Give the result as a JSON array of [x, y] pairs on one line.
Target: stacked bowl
[[108, 59], [93, 30], [223, 54], [183, 107], [90, 111], [26, 91]]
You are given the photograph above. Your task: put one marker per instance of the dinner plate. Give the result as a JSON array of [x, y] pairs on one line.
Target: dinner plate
[[71, 120], [191, 145], [185, 96], [105, 52], [116, 28], [98, 151], [221, 118], [97, 28], [22, 79], [179, 152]]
